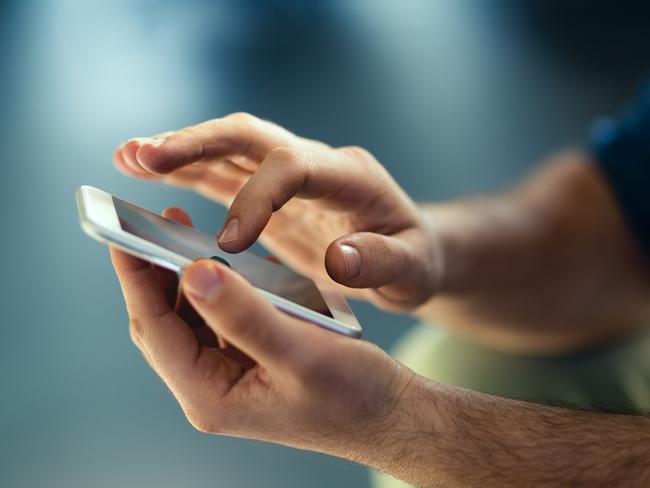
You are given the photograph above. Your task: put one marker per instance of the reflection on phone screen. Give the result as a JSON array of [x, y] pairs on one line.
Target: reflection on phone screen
[[193, 244]]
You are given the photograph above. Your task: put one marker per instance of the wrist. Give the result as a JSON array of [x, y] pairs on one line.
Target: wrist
[[406, 446], [358, 424], [381, 440]]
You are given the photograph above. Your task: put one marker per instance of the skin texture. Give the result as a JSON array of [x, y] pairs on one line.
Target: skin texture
[[529, 270], [453, 437], [308, 198], [278, 379]]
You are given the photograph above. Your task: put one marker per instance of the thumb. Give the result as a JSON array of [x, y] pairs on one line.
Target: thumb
[[237, 312], [396, 265]]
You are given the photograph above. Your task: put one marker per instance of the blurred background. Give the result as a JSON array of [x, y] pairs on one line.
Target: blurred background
[[453, 96]]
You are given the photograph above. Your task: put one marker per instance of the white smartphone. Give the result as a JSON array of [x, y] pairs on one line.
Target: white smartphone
[[173, 246]]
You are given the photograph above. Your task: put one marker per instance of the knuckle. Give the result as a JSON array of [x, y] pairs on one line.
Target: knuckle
[[185, 131], [363, 161], [202, 423], [358, 152], [212, 417], [284, 156], [135, 331], [196, 130], [243, 118]]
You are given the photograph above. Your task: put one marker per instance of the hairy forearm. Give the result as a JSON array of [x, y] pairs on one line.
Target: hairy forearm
[[533, 268], [442, 436]]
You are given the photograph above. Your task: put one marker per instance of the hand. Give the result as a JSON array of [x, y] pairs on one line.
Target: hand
[[279, 379], [322, 210]]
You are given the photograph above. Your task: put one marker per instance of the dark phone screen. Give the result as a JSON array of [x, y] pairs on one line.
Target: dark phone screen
[[193, 244]]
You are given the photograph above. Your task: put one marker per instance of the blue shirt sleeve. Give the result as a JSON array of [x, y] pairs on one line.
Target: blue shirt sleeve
[[621, 148]]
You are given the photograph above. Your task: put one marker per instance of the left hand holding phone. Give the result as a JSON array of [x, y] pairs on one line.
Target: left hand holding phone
[[298, 386]]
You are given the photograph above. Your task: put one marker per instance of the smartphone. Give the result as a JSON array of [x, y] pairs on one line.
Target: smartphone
[[173, 246]]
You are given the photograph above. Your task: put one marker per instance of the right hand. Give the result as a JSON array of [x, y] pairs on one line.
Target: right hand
[[324, 211]]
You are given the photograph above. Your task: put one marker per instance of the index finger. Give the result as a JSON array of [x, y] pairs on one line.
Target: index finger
[[289, 172]]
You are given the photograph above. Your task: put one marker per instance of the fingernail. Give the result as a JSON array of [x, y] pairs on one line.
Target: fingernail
[[352, 260], [202, 281], [134, 165], [230, 232]]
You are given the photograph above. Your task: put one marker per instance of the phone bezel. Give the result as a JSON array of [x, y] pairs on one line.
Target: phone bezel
[[99, 220]]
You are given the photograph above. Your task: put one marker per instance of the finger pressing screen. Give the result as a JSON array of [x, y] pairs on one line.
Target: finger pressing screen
[[284, 174]]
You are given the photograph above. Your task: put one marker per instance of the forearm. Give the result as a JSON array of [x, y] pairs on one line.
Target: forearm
[[532, 268], [442, 436]]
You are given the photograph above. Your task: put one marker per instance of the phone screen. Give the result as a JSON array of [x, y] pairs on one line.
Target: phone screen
[[193, 244]]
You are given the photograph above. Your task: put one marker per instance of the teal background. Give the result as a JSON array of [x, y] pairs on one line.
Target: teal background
[[453, 96]]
